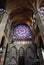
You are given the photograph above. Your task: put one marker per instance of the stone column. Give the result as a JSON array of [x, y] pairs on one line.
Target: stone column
[[2, 25]]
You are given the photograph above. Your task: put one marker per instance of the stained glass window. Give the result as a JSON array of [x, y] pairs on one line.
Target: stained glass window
[[2, 11], [42, 11], [22, 31]]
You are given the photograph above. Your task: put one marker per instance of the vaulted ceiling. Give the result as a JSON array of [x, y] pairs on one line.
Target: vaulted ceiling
[[21, 2], [21, 9], [18, 5]]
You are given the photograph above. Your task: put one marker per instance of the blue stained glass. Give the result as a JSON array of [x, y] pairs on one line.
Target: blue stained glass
[[42, 11], [2, 11], [22, 31]]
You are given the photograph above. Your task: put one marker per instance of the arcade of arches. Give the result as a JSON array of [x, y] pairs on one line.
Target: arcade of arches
[[21, 32]]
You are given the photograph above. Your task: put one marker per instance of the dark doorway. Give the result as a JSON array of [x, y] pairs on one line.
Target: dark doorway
[[21, 60]]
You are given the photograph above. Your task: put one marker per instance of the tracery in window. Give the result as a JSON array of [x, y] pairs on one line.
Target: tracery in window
[[21, 31]]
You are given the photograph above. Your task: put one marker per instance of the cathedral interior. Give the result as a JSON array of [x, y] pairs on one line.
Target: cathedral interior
[[21, 32]]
